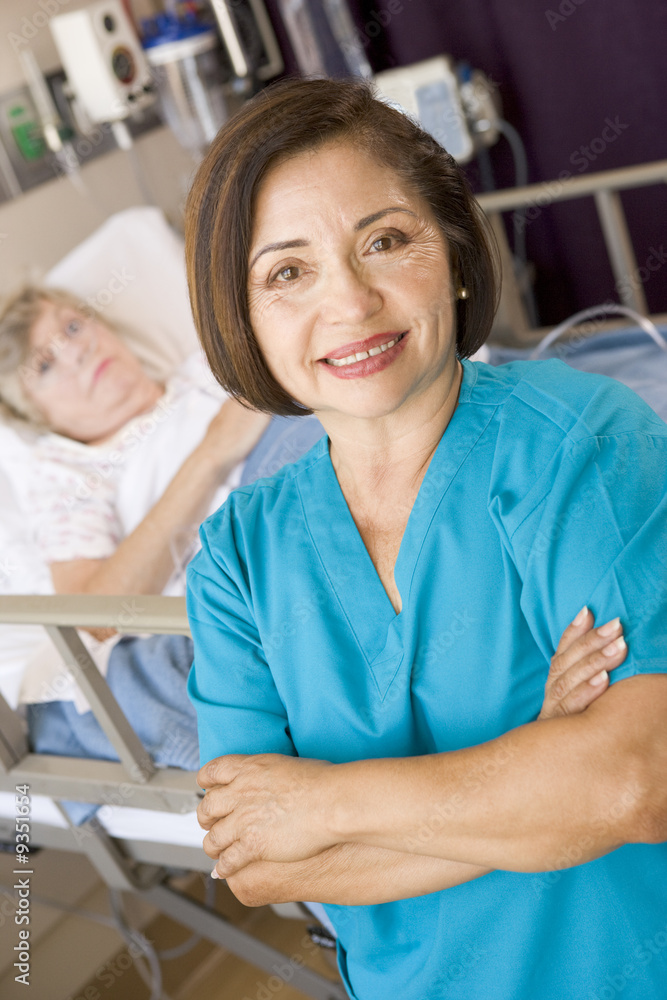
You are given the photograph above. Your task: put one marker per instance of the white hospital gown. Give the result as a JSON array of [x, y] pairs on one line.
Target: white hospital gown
[[82, 500]]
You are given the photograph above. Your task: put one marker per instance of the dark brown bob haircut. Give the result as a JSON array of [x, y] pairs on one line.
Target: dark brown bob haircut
[[288, 118]]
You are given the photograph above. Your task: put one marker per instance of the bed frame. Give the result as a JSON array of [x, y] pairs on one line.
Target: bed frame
[[512, 327], [139, 867]]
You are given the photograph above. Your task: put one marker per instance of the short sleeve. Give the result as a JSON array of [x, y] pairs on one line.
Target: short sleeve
[[598, 537], [238, 706]]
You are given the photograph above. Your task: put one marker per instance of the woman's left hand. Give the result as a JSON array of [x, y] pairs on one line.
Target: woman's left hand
[[263, 807]]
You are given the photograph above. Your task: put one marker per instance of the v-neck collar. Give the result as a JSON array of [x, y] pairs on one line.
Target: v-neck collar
[[344, 556]]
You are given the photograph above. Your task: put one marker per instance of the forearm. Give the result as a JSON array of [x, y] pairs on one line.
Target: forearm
[[547, 795], [145, 559], [349, 875]]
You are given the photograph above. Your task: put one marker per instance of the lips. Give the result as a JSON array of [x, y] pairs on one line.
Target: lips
[[368, 363], [101, 368], [363, 346]]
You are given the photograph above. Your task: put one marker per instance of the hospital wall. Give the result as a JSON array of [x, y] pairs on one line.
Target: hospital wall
[[40, 226]]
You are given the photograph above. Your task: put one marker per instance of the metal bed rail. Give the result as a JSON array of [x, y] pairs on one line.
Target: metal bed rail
[[604, 187], [135, 867], [136, 778]]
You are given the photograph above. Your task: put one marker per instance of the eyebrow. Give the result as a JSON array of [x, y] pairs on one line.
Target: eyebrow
[[368, 220], [283, 245]]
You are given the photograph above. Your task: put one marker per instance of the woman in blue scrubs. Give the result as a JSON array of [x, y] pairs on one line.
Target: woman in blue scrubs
[[374, 624]]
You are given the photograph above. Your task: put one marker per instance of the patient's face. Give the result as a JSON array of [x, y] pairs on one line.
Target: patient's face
[[82, 378]]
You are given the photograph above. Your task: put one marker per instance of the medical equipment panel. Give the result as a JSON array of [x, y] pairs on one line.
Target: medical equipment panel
[[456, 107], [103, 60]]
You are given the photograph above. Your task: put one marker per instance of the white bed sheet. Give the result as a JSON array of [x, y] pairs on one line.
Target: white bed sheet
[[124, 822]]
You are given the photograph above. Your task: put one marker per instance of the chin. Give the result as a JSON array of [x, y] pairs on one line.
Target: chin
[[378, 400], [376, 408]]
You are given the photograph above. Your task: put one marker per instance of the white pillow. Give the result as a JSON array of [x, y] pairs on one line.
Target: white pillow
[[132, 270]]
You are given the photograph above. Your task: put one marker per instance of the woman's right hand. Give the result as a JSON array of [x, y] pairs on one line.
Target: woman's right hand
[[580, 665], [234, 432]]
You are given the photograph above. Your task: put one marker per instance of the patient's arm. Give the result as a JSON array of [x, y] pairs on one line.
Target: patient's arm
[[350, 875], [143, 562]]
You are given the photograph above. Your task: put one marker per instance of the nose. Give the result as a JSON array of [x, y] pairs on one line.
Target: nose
[[350, 296], [75, 351]]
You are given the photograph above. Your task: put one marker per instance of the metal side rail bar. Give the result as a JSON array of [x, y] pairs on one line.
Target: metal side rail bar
[[603, 187], [135, 778], [133, 613]]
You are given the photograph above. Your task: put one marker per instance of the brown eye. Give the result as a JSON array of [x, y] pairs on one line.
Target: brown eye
[[289, 273], [382, 243]]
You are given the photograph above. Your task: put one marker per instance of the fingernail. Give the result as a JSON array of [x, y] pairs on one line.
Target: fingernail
[[610, 627], [214, 874], [615, 647], [579, 620], [599, 678]]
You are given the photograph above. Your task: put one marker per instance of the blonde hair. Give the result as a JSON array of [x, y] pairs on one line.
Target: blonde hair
[[17, 318]]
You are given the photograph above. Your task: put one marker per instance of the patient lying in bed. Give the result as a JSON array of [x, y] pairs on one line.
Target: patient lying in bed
[[118, 473]]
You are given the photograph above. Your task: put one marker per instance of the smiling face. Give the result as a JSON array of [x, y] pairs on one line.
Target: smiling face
[[81, 377], [350, 287]]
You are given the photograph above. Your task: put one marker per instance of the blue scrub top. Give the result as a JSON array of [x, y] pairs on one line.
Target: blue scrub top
[[547, 491]]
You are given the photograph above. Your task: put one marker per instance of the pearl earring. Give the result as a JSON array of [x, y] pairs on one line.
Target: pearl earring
[[462, 292]]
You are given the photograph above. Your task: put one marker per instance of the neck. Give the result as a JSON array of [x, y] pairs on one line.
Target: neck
[[375, 458], [143, 399]]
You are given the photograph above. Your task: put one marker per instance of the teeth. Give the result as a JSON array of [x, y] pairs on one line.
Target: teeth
[[362, 355]]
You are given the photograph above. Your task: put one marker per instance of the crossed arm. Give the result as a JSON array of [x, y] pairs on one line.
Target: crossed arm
[[554, 793]]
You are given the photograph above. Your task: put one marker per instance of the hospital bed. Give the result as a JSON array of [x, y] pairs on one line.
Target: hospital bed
[[146, 828]]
